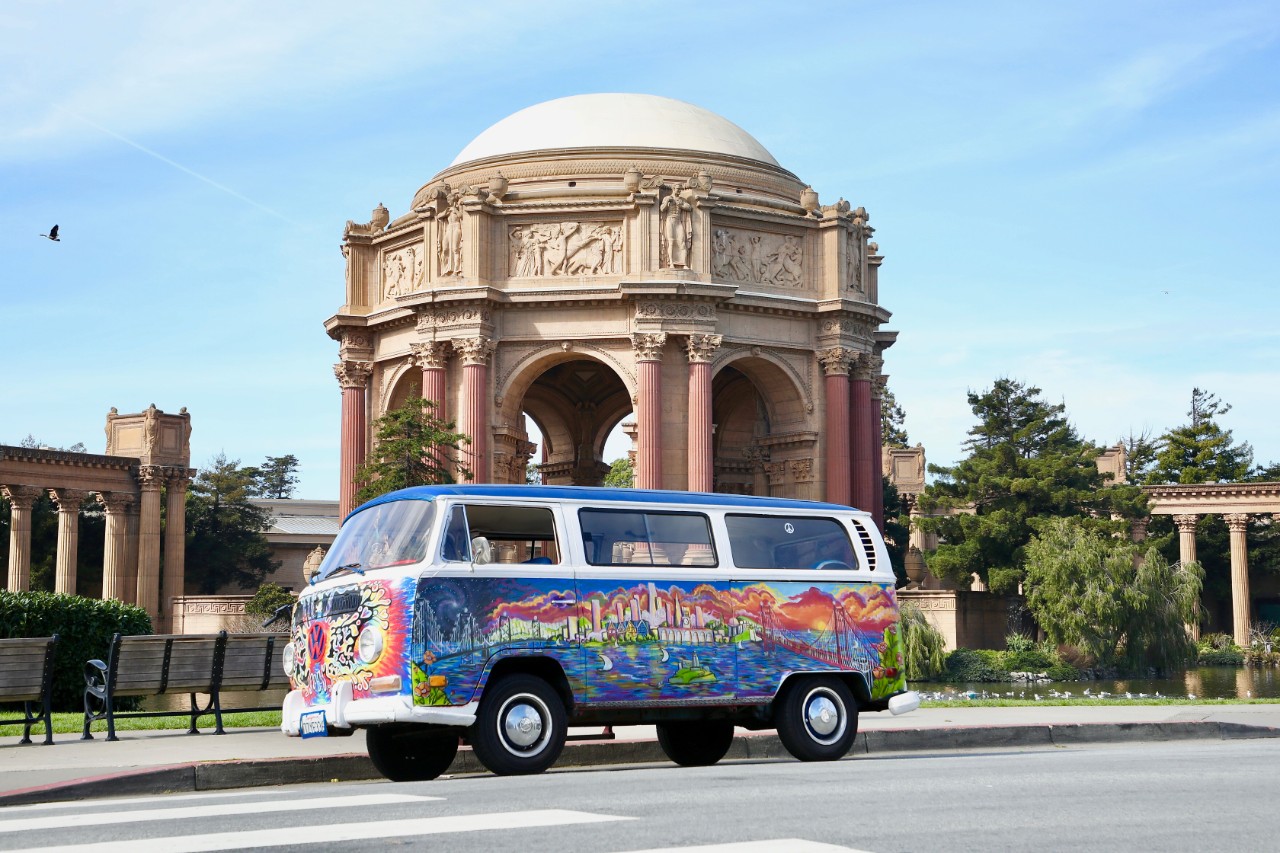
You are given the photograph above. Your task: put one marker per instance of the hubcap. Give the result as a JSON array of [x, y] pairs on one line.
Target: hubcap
[[823, 717], [522, 723]]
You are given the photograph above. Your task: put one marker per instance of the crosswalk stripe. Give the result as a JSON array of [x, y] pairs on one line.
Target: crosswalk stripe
[[791, 845], [65, 821], [338, 832], [117, 802]]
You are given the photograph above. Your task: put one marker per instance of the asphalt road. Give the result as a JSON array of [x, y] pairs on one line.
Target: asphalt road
[[1202, 795]]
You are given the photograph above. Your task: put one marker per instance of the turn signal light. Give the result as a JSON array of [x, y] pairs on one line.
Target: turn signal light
[[385, 684], [436, 681]]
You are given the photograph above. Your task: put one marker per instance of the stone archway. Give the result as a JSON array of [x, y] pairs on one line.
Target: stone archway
[[761, 445]]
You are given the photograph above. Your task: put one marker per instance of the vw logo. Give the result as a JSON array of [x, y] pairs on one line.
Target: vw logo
[[317, 641]]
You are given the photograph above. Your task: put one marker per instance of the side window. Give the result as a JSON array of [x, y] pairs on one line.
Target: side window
[[512, 534], [457, 541], [620, 537], [789, 542]]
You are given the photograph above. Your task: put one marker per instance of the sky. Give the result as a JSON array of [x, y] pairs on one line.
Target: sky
[[1083, 197]]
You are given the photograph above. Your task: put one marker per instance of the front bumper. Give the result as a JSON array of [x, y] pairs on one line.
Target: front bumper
[[343, 711], [904, 703]]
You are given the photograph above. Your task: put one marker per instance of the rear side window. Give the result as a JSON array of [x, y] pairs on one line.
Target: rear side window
[[795, 542], [623, 538]]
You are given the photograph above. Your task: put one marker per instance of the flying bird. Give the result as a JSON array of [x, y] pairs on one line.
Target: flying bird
[[53, 234]]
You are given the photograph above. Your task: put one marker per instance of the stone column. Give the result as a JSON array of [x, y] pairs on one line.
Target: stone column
[[353, 377], [21, 499], [1186, 537], [877, 441], [430, 357], [835, 364], [648, 352], [864, 439], [129, 583], [116, 547], [701, 348], [473, 414], [1238, 523], [151, 481], [174, 582], [68, 501]]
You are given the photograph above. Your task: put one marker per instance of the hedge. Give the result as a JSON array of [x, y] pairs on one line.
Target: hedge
[[84, 627]]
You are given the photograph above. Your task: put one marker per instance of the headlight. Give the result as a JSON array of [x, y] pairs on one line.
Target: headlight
[[369, 644], [288, 659]]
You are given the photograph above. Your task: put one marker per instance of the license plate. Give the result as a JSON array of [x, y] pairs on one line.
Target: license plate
[[312, 724]]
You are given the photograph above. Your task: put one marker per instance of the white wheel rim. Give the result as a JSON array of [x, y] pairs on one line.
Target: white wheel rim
[[824, 716], [524, 724]]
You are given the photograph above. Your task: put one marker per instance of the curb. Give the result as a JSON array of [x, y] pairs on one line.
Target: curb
[[353, 767]]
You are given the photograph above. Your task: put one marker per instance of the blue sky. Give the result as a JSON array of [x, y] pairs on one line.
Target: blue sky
[[1082, 196]]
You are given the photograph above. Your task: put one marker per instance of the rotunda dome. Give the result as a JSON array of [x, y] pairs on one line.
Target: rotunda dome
[[614, 121]]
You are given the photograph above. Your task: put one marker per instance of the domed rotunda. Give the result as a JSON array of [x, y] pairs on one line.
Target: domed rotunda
[[616, 257]]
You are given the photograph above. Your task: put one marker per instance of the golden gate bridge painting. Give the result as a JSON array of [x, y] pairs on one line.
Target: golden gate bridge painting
[[840, 644]]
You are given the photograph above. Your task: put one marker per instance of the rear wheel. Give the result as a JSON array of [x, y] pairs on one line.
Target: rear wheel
[[817, 718], [410, 753], [695, 744], [520, 728]]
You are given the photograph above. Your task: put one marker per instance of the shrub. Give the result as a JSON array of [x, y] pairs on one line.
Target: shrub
[[1216, 641], [975, 665], [269, 598], [1220, 657], [1019, 643], [84, 627], [923, 646], [1031, 660], [1063, 672]]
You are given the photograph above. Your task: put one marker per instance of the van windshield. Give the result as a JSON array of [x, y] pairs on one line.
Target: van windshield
[[390, 534]]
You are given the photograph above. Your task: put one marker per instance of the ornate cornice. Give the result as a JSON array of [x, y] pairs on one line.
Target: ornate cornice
[[1213, 498]]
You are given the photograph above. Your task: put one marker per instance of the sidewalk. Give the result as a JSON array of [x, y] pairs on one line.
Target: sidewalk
[[153, 762]]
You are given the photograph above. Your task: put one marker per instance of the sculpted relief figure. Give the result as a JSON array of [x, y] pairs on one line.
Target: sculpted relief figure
[[450, 237], [375, 226], [565, 248], [758, 258], [677, 229], [401, 272]]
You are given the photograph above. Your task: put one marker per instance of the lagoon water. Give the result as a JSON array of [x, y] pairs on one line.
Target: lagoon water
[[1206, 682]]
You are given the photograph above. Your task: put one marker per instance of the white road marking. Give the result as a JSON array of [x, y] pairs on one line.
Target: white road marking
[[790, 845], [116, 802], [66, 821], [326, 834]]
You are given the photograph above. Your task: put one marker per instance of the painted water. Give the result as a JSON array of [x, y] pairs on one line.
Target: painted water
[[1206, 682]]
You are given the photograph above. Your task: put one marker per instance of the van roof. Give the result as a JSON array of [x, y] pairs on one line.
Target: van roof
[[599, 493]]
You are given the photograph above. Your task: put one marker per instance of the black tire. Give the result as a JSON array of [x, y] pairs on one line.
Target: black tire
[[410, 753], [817, 718], [695, 744], [520, 728]]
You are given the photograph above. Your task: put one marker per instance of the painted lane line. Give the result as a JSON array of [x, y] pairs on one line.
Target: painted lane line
[[66, 821], [790, 845], [117, 802], [299, 836]]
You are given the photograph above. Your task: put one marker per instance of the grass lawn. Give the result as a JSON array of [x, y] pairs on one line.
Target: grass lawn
[[69, 723]]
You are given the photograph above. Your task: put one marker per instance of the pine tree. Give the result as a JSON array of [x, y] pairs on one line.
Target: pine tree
[[413, 448], [225, 542], [277, 477], [893, 430], [1201, 451]]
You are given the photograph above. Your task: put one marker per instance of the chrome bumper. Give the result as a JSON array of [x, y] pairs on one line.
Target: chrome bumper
[[904, 703], [343, 711]]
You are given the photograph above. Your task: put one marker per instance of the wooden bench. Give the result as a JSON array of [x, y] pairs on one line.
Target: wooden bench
[[26, 676], [196, 664]]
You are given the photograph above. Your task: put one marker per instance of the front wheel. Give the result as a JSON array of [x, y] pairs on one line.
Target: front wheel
[[409, 753], [817, 718], [520, 728], [695, 744]]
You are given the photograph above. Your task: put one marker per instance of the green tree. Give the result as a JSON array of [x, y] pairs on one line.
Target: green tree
[[277, 477], [621, 475], [893, 430], [1201, 451], [897, 529], [1140, 452], [1087, 590], [225, 542], [268, 599], [1025, 464], [412, 448], [924, 649]]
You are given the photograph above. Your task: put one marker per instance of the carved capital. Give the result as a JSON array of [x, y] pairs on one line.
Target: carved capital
[[178, 478], [866, 367], [473, 350], [430, 355], [114, 502], [68, 500], [20, 497], [702, 348], [151, 477], [802, 470], [648, 347], [352, 374], [1237, 522], [836, 361], [355, 344], [1186, 523]]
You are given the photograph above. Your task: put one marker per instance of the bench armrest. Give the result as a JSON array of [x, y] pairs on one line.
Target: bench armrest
[[95, 678]]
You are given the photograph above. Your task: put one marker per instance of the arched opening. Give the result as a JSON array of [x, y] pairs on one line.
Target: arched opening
[[576, 405], [759, 417]]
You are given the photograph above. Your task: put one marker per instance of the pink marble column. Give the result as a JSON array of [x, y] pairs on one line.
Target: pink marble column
[[473, 416], [173, 584], [648, 352], [151, 481], [353, 378], [68, 501], [21, 499], [877, 455], [1238, 524], [116, 548], [430, 357], [863, 414], [835, 366], [701, 349]]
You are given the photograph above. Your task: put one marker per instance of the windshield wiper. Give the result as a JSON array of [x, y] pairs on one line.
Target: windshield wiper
[[349, 567]]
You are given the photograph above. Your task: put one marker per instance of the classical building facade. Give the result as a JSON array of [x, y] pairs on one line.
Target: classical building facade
[[147, 462], [601, 257]]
